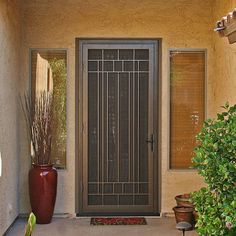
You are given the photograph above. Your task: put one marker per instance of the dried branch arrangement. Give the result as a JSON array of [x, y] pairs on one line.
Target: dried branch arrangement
[[39, 118]]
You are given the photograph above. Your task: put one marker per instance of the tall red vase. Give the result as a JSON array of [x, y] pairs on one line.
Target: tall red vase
[[43, 191]]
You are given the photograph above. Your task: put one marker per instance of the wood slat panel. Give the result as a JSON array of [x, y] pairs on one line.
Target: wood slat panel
[[187, 105]]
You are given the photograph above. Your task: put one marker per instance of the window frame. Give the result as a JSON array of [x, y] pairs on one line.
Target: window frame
[[185, 50], [65, 50]]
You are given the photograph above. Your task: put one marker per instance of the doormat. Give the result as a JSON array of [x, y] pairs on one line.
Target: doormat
[[118, 221]]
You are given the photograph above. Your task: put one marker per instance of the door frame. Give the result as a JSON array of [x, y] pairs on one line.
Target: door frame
[[79, 43]]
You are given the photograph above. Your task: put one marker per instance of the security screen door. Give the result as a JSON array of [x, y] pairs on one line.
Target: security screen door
[[118, 127]]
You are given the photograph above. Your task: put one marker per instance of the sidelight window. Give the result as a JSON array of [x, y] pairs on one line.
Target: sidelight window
[[49, 72], [187, 104]]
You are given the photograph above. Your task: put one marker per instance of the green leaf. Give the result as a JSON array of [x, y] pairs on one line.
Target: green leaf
[[30, 225], [234, 143], [215, 160]]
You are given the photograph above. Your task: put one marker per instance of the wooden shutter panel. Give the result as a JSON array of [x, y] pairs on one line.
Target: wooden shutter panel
[[187, 104]]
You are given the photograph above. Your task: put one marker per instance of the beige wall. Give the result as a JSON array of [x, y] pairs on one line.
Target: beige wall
[[9, 77], [225, 60], [56, 24]]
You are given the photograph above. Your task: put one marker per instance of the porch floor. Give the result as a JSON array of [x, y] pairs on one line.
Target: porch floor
[[81, 226]]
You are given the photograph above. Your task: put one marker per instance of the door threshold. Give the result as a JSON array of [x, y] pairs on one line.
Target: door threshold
[[119, 215]]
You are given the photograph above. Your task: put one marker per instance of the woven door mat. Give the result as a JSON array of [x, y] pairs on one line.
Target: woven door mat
[[118, 221]]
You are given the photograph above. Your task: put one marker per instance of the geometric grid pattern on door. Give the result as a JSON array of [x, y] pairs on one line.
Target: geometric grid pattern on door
[[118, 94]]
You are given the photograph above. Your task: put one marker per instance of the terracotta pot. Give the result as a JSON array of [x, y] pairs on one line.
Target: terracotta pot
[[183, 200], [184, 213], [43, 190]]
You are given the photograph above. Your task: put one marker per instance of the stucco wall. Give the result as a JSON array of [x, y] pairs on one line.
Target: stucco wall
[[9, 77], [56, 24], [225, 60]]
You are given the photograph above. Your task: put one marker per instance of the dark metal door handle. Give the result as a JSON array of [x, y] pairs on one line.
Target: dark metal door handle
[[151, 141]]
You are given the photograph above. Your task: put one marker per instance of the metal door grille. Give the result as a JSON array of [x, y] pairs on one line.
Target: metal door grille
[[118, 92], [117, 156]]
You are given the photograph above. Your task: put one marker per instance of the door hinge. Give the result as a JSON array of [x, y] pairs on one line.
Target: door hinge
[[82, 187], [151, 141], [83, 67], [83, 128]]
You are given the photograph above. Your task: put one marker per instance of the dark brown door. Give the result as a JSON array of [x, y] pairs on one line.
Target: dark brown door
[[118, 128]]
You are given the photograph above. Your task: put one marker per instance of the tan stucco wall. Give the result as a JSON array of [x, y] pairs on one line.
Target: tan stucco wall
[[56, 24], [9, 77], [225, 60]]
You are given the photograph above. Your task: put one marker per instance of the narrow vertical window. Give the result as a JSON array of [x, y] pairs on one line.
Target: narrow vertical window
[[187, 104], [48, 73]]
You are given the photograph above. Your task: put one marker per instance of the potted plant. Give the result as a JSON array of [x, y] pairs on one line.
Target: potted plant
[[184, 210], [183, 200], [184, 214], [42, 176], [215, 160]]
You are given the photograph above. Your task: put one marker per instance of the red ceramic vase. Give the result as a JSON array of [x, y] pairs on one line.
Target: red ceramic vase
[[43, 191]]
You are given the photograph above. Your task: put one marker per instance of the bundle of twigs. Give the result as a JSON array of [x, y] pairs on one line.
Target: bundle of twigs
[[39, 118]]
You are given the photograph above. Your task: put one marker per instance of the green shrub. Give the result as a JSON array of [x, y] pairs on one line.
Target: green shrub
[[215, 160]]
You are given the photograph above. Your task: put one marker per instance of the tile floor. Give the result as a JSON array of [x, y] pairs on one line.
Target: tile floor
[[81, 227]]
